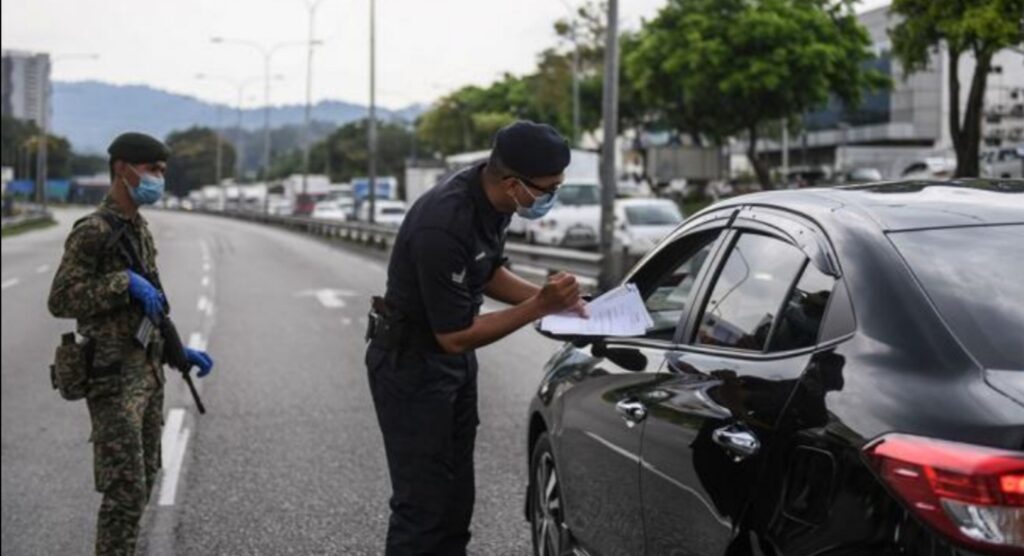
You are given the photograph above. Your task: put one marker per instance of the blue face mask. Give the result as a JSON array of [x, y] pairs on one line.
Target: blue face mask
[[541, 205], [149, 191]]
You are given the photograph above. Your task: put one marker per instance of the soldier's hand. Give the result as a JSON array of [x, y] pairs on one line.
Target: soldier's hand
[[199, 359], [151, 299], [560, 293]]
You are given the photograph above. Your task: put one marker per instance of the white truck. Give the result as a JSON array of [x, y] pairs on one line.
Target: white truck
[[213, 198]]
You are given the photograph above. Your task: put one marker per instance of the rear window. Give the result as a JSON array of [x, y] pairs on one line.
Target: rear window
[[653, 215], [575, 195], [975, 277]]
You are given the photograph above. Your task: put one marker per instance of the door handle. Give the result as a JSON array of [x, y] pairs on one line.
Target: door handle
[[632, 411], [737, 440]]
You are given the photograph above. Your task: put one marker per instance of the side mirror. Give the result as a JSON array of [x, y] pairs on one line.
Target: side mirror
[[577, 340], [630, 359]]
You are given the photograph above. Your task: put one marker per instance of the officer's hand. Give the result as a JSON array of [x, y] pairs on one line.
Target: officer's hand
[[150, 298], [560, 293], [200, 359]]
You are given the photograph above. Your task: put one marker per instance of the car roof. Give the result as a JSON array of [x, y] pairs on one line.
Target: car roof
[[908, 204]]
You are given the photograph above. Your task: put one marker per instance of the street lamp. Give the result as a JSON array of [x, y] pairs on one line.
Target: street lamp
[[267, 52], [44, 128], [311, 6], [574, 37], [239, 85]]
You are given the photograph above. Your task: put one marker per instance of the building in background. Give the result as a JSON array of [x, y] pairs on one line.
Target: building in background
[[26, 90], [892, 130]]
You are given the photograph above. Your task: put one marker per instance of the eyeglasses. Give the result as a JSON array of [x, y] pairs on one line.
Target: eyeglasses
[[528, 183]]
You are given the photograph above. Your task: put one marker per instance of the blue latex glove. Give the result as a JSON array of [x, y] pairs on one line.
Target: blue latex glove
[[200, 359], [142, 291]]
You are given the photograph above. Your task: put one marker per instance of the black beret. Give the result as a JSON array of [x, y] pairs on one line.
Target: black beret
[[532, 150], [137, 148]]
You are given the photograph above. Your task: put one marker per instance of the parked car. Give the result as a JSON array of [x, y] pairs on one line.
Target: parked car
[[930, 168], [641, 223], [831, 371], [388, 213], [1007, 162], [574, 220], [337, 210], [861, 175]]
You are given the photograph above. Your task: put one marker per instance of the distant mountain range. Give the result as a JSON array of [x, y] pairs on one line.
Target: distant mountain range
[[91, 113]]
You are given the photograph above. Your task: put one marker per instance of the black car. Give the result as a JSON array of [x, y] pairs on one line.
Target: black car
[[835, 371]]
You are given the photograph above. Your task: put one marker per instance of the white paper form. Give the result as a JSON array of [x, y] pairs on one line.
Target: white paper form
[[619, 312]]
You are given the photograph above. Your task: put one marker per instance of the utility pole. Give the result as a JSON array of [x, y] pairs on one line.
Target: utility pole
[[220, 144], [610, 115], [311, 7], [372, 123]]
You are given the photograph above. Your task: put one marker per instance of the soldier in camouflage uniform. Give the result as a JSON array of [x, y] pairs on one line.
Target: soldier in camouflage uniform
[[125, 393]]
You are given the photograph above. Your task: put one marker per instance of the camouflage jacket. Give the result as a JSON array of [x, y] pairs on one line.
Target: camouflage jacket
[[91, 286]]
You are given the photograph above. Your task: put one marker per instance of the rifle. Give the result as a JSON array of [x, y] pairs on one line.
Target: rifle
[[174, 351]]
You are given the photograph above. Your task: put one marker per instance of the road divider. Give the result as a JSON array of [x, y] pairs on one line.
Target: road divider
[[538, 259]]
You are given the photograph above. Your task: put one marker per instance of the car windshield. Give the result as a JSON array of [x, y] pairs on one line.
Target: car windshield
[[973, 276], [578, 195], [653, 215], [392, 210]]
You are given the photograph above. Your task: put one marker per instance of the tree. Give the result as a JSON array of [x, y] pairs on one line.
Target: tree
[[977, 27], [20, 143], [193, 161], [344, 154], [722, 67]]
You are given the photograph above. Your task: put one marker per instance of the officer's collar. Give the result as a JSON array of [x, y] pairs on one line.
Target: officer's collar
[[476, 190], [110, 205]]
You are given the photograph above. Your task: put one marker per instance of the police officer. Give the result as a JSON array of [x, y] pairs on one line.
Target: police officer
[[421, 362], [124, 392]]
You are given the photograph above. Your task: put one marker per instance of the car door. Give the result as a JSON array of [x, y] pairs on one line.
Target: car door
[[711, 427], [600, 429]]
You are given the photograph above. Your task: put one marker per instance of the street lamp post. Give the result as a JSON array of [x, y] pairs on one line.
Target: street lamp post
[[311, 7], [267, 52], [372, 123], [610, 115], [239, 86], [574, 37]]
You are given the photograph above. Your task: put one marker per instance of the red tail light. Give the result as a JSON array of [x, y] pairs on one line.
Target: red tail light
[[972, 494]]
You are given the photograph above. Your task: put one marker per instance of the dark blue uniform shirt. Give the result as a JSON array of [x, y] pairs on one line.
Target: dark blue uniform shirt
[[449, 246]]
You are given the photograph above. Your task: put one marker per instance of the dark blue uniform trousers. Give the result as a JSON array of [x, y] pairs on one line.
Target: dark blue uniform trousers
[[426, 405]]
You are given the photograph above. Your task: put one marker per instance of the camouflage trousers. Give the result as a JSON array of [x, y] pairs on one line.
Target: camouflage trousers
[[127, 418]]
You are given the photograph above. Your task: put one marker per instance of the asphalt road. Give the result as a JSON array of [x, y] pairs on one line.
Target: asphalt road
[[288, 458]]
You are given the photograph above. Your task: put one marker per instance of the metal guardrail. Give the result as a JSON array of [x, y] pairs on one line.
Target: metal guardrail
[[29, 215], [548, 259]]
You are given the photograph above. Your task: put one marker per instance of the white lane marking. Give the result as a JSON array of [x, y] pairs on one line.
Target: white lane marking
[[329, 298], [9, 283], [346, 321], [206, 281], [205, 305], [42, 268], [206, 266], [195, 341], [174, 443]]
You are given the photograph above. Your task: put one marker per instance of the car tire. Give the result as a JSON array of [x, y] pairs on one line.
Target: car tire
[[547, 513]]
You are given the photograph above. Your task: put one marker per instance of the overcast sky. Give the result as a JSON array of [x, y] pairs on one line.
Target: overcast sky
[[424, 47]]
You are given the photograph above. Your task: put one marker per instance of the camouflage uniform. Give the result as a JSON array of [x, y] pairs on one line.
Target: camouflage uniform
[[126, 406]]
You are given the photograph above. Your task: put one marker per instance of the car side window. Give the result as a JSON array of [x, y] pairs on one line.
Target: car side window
[[666, 280], [749, 290], [799, 321]]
